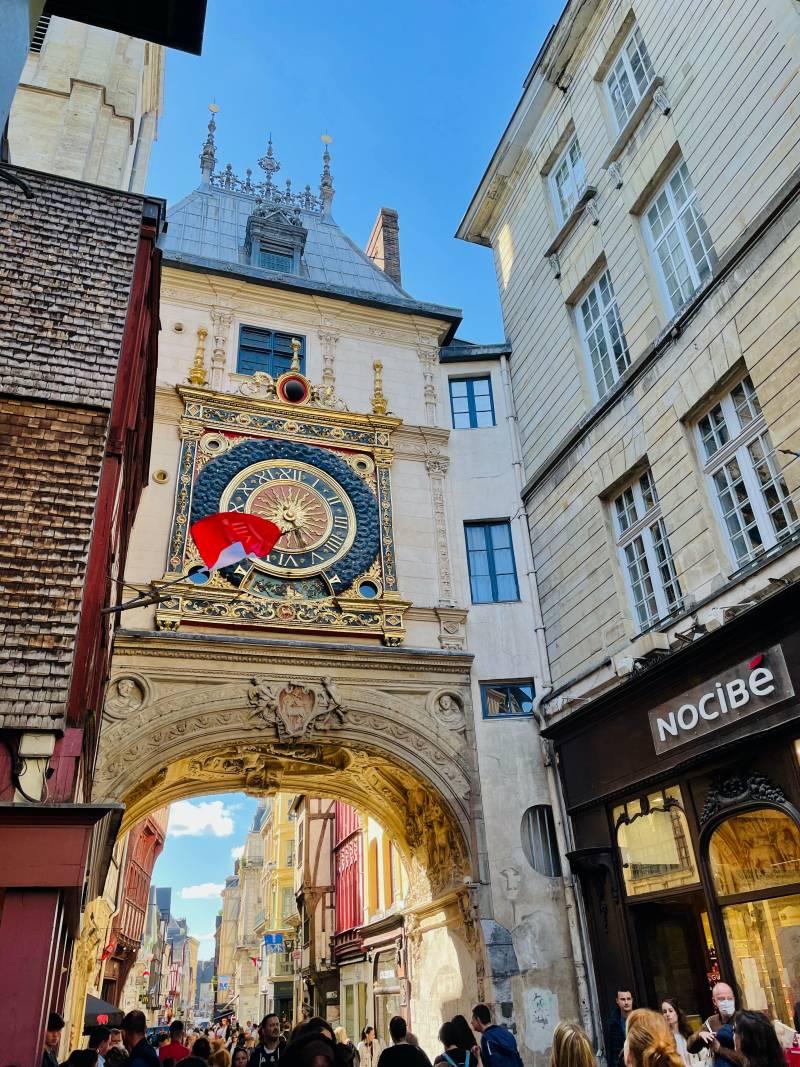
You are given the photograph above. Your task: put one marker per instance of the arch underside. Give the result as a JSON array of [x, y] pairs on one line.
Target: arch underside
[[397, 747]]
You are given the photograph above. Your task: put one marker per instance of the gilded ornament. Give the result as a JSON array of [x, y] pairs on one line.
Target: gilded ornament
[[197, 372]]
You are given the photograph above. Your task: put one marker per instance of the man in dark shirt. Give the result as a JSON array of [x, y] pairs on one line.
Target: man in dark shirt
[[616, 1027], [142, 1053], [401, 1053], [270, 1045], [52, 1039]]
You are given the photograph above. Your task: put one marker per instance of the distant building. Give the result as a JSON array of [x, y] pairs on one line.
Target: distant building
[[277, 927]]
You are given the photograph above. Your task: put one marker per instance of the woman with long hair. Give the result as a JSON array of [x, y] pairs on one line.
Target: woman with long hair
[[679, 1025], [571, 1047], [755, 1038], [454, 1055], [466, 1038], [649, 1041], [220, 1058], [241, 1057]]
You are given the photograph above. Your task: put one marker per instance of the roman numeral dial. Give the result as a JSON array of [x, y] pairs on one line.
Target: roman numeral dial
[[314, 513]]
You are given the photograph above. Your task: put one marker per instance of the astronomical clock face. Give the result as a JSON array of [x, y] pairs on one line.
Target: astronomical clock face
[[313, 511], [326, 509]]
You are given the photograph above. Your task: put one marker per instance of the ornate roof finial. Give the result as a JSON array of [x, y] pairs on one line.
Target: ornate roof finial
[[208, 155], [269, 163], [326, 190], [197, 371], [296, 345], [379, 403]]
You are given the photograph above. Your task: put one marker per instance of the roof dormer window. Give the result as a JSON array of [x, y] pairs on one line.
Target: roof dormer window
[[276, 259]]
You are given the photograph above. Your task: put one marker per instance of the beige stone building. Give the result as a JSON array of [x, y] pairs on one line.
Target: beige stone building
[[87, 104], [642, 210], [403, 678], [277, 924]]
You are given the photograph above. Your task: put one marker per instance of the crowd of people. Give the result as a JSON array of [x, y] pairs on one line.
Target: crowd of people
[[639, 1037], [635, 1037]]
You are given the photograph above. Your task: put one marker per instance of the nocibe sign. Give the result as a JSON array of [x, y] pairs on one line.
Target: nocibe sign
[[760, 682]]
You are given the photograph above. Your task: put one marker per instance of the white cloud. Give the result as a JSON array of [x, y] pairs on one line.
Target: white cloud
[[195, 820], [236, 853], [204, 891]]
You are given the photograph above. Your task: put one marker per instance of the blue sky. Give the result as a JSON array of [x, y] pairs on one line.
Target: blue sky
[[198, 855], [415, 96]]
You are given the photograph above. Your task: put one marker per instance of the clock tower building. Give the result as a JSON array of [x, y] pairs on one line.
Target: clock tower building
[[387, 652]]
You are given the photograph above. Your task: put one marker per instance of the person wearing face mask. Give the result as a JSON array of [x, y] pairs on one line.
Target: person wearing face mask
[[716, 1033]]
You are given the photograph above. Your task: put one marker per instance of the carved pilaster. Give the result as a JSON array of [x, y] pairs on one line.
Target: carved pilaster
[[452, 628], [436, 466], [221, 322], [328, 341], [429, 359]]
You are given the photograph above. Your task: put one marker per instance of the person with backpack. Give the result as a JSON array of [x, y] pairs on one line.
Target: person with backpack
[[498, 1045], [454, 1055]]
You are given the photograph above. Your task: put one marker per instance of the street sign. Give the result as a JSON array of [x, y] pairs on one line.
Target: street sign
[[273, 943]]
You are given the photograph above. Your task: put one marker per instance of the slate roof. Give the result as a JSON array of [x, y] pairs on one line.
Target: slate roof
[[208, 228], [52, 455], [66, 265]]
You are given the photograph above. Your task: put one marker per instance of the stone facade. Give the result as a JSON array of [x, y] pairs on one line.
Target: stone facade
[[718, 92], [87, 106], [405, 739]]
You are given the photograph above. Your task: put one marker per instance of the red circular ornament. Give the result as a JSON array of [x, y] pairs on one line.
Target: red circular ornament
[[293, 389]]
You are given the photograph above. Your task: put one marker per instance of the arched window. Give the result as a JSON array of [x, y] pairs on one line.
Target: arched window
[[539, 842], [754, 862], [654, 843]]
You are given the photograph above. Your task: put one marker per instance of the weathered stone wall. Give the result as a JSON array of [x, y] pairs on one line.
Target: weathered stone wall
[[87, 106]]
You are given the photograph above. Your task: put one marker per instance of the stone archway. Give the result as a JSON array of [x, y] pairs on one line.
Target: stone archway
[[389, 730]]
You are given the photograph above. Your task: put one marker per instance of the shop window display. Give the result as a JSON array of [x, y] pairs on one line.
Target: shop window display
[[654, 843], [757, 854]]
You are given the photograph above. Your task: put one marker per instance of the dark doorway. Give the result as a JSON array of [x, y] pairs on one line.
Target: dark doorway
[[674, 952]]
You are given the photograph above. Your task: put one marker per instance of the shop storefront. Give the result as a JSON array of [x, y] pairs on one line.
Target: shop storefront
[[683, 791]]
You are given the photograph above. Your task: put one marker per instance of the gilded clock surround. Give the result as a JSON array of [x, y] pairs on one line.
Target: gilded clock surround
[[323, 475]]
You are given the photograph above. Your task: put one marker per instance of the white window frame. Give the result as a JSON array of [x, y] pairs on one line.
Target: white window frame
[[576, 181], [601, 383], [623, 60], [741, 436], [677, 230], [644, 534]]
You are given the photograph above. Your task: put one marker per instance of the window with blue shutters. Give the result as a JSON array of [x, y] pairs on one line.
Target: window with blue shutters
[[267, 350], [490, 557]]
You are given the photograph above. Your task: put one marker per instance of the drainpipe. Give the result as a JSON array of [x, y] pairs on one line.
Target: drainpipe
[[587, 997]]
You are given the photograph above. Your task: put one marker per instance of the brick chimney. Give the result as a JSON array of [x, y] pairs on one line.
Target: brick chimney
[[383, 246]]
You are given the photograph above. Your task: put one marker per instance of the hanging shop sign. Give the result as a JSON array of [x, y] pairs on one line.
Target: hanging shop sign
[[758, 683]]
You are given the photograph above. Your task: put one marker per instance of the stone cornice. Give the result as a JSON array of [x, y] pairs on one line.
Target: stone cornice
[[263, 652]]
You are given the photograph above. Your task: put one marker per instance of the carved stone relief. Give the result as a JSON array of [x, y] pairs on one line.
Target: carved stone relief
[[221, 322], [429, 358]]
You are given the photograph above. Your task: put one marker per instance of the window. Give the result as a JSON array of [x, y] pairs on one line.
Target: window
[[273, 259], [506, 701], [645, 552], [629, 78], [288, 903], [300, 836], [680, 240], [601, 331], [266, 350], [568, 180], [539, 842], [654, 843], [754, 858], [754, 503], [490, 558], [290, 853], [306, 922], [471, 402]]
